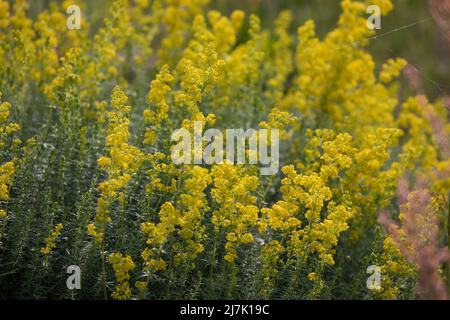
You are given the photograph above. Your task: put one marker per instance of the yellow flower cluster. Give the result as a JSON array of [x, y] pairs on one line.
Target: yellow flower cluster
[[60, 90], [186, 221], [280, 120], [271, 262], [6, 169], [237, 213], [420, 149], [157, 97], [312, 214], [33, 47], [198, 68], [194, 203], [6, 173], [157, 235], [122, 265], [282, 65], [224, 29], [51, 239], [345, 96], [311, 193], [240, 70], [394, 266], [391, 69], [122, 162], [6, 128], [162, 175], [177, 16]]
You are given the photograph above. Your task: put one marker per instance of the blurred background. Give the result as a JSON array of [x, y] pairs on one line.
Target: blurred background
[[417, 30]]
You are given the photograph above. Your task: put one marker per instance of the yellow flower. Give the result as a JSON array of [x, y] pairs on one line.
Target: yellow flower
[[122, 161], [313, 276], [7, 169], [141, 285], [237, 213], [391, 69], [92, 231], [6, 173], [122, 265], [157, 97], [51, 239], [237, 17], [104, 161]]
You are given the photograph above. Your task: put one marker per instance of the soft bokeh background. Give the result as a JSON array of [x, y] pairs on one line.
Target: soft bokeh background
[[419, 39], [410, 31]]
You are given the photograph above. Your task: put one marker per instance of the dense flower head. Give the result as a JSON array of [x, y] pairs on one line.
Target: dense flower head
[[50, 240], [7, 169], [122, 265]]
